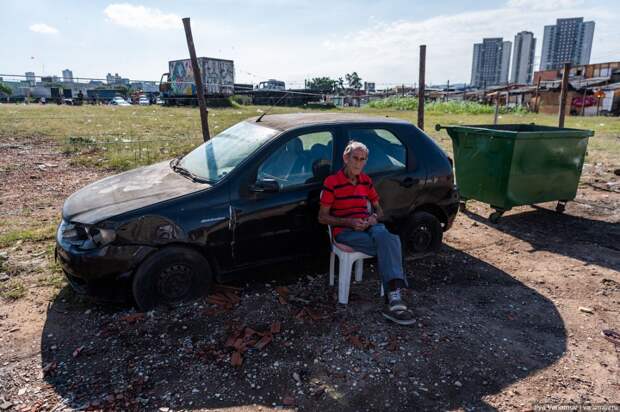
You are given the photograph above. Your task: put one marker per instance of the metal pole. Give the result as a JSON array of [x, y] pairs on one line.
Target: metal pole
[[204, 114], [563, 93], [421, 87]]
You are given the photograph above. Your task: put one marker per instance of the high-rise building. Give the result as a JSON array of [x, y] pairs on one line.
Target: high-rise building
[[491, 62], [30, 78], [568, 41], [523, 58], [67, 76]]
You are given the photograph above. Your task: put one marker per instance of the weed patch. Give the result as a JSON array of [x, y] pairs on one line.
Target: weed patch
[[13, 289], [27, 235]]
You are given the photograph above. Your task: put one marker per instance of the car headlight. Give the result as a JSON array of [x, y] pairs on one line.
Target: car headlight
[[86, 236], [101, 237]]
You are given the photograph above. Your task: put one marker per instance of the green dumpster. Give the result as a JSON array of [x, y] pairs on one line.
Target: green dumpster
[[512, 165]]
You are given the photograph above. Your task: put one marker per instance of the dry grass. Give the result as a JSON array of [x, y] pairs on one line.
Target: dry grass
[[125, 137]]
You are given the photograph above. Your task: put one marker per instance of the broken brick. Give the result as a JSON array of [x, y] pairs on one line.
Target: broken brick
[[236, 359], [133, 317], [264, 341], [276, 326]]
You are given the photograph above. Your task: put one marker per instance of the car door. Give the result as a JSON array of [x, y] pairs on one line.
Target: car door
[[397, 175], [275, 210]]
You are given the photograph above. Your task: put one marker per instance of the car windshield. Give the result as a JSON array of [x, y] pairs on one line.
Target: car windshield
[[217, 157]]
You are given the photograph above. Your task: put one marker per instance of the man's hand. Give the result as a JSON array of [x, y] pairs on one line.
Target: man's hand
[[372, 220], [359, 224]]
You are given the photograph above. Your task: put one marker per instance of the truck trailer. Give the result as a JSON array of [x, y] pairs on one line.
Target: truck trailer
[[178, 87]]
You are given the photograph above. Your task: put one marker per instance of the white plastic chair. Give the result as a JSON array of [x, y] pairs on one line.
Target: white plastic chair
[[347, 257]]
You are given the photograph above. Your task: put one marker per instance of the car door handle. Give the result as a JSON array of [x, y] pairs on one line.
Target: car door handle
[[409, 181]]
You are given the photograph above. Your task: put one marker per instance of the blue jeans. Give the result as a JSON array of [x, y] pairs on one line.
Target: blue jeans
[[377, 241]]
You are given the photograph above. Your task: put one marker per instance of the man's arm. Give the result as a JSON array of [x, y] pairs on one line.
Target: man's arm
[[327, 219], [377, 215]]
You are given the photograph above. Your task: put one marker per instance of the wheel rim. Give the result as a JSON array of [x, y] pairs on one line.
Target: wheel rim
[[174, 282], [421, 238]]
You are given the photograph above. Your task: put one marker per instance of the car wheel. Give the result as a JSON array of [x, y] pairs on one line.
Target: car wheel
[[422, 234], [170, 276]]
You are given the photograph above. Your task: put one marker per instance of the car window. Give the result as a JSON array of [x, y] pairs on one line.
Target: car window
[[221, 154], [301, 160], [387, 152]]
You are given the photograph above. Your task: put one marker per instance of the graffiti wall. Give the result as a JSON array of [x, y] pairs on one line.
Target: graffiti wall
[[218, 76]]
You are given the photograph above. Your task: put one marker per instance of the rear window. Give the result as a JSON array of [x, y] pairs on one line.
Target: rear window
[[387, 152]]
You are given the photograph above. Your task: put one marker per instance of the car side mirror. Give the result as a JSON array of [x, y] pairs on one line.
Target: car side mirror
[[265, 185]]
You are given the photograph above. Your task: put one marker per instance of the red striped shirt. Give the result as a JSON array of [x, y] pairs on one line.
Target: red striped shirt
[[346, 199]]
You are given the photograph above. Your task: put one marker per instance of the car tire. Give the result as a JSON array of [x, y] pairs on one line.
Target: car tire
[[171, 276], [422, 235]]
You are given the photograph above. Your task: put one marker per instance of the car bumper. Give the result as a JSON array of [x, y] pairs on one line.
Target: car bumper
[[451, 208], [99, 271]]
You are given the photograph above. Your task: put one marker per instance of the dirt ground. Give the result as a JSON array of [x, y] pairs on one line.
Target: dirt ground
[[509, 316]]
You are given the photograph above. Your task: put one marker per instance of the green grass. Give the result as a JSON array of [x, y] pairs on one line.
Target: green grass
[[12, 289], [33, 234], [450, 107], [121, 138]]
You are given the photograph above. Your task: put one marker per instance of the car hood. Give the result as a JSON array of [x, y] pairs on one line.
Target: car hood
[[127, 191]]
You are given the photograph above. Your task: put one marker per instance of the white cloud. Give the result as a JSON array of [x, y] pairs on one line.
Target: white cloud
[[43, 28], [544, 5], [389, 50], [140, 17]]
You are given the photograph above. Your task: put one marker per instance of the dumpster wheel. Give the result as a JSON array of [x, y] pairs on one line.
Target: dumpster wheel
[[560, 207], [496, 216]]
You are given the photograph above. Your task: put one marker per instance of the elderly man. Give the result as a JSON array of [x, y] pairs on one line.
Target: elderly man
[[344, 206]]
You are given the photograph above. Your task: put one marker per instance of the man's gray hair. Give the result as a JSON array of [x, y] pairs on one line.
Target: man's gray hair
[[353, 145]]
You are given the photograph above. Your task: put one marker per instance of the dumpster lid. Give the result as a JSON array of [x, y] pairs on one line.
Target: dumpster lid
[[530, 130]]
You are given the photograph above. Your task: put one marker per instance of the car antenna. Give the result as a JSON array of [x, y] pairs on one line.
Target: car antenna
[[272, 106]]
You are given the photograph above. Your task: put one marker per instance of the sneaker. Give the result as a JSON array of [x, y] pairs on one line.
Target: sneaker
[[397, 311], [395, 300]]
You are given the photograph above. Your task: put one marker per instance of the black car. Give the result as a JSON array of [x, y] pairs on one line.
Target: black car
[[249, 196]]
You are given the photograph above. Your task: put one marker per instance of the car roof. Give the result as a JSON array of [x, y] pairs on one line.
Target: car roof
[[289, 121]]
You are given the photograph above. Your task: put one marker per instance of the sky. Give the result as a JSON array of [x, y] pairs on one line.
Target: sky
[[289, 40]]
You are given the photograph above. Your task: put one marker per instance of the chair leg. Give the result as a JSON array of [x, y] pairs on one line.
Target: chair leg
[[332, 261], [359, 270], [344, 280]]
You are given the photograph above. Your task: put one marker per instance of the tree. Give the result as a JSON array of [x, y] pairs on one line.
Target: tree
[[340, 84], [354, 81], [321, 84]]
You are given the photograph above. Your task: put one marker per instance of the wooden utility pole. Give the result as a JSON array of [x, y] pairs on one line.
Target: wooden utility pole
[[421, 87], [536, 94], [202, 103], [496, 107], [563, 93], [583, 101]]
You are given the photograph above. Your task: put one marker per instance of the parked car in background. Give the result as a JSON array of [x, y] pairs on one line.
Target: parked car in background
[[159, 100], [144, 101], [119, 101], [249, 196]]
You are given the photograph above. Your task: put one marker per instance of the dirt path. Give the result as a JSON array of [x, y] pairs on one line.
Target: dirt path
[[508, 315]]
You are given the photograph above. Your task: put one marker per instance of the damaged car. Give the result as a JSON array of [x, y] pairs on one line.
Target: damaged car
[[163, 233]]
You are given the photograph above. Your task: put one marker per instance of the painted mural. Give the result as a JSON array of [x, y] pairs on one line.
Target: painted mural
[[218, 76]]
